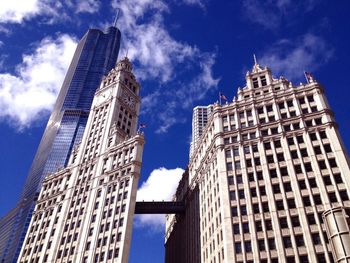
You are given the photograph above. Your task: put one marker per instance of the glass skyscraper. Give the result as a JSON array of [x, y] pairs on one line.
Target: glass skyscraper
[[95, 56]]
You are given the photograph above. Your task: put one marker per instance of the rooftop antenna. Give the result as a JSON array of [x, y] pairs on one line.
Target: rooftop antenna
[[255, 62], [116, 18]]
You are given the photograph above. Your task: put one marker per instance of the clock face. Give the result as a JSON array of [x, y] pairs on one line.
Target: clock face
[[129, 100]]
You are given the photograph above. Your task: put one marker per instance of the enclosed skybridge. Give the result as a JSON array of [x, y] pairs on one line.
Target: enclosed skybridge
[[159, 207]]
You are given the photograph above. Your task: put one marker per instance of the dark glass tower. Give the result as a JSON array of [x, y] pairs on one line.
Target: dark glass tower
[[95, 56]]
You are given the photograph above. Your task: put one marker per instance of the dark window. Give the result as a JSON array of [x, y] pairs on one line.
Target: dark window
[[268, 224], [272, 244], [310, 98], [273, 173], [291, 203], [311, 219], [236, 229], [295, 221], [287, 242], [303, 152], [332, 163], [279, 205], [298, 168], [317, 199], [258, 226], [261, 244], [323, 135], [322, 164], [343, 195], [238, 247], [327, 148], [280, 157], [299, 240], [306, 201], [265, 207], [317, 150], [313, 136], [294, 154], [267, 145], [316, 238], [276, 189], [283, 222], [290, 103], [290, 141]]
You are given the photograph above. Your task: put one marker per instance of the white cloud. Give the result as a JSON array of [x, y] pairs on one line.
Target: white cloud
[[16, 11], [200, 3], [160, 186], [31, 92], [160, 57], [88, 6], [272, 13], [291, 57]]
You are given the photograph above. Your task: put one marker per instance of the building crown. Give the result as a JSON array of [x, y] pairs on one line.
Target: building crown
[[124, 65]]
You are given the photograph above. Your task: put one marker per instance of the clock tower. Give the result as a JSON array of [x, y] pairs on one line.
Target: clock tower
[[93, 198]]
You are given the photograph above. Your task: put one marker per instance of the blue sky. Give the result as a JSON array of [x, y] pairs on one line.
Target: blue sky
[[184, 53]]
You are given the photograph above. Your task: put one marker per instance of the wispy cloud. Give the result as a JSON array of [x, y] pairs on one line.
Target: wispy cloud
[[291, 57], [159, 186], [31, 92], [160, 57], [272, 13], [17, 11]]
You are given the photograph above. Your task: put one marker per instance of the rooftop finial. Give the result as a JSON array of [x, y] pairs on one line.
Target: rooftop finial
[[116, 18], [255, 62]]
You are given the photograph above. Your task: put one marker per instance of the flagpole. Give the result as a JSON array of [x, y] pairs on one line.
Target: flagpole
[[307, 79], [220, 98]]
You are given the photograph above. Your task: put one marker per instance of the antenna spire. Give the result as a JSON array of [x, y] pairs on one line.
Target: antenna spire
[[116, 17], [255, 61]]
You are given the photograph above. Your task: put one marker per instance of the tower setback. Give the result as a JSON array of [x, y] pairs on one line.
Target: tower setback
[[84, 212], [266, 167]]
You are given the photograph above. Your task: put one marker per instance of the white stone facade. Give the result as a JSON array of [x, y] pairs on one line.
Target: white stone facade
[[268, 165], [84, 212]]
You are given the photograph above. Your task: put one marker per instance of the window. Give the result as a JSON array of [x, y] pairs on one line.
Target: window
[[247, 246], [261, 245], [299, 240], [263, 81], [258, 226], [270, 159], [317, 150], [283, 222], [322, 164], [269, 108], [287, 242], [290, 141], [272, 244], [310, 98], [316, 239], [279, 205], [327, 148], [313, 136], [230, 180], [236, 229], [255, 82], [306, 201], [295, 221], [232, 195], [238, 247], [267, 145]]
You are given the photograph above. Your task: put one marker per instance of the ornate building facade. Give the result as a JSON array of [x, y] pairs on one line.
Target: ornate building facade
[[267, 166], [84, 212], [95, 55]]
